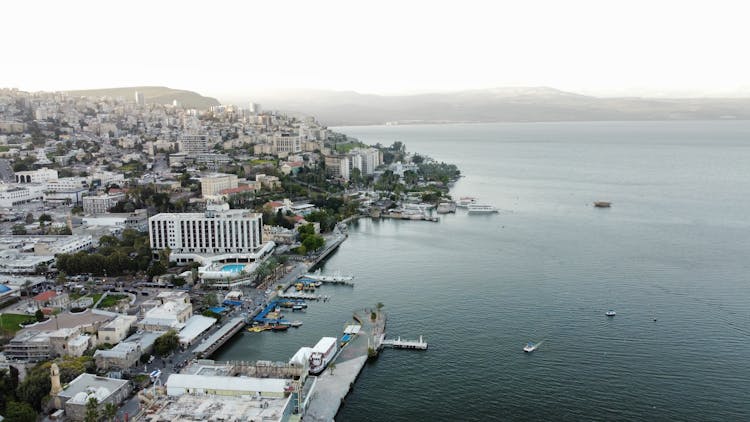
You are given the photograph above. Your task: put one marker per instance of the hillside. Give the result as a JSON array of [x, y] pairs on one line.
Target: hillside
[[153, 95], [496, 105]]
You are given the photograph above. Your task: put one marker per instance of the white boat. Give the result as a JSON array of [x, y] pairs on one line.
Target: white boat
[[481, 209], [530, 347], [322, 354], [465, 201], [610, 313], [296, 324], [446, 207]]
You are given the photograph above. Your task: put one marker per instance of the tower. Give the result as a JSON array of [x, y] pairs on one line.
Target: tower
[[55, 378]]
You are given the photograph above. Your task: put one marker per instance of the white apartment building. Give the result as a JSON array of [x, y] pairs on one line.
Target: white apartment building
[[213, 184], [36, 176], [66, 184], [235, 234], [194, 144], [100, 204], [13, 194], [287, 143]]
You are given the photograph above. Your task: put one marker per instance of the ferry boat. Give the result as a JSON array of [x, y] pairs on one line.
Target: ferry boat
[[602, 204], [530, 347], [481, 209], [322, 354], [465, 201], [610, 313]]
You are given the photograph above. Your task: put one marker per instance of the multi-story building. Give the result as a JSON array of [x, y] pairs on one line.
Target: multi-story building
[[194, 144], [338, 166], [11, 195], [213, 184], [140, 99], [285, 143], [217, 231], [36, 176], [100, 204]]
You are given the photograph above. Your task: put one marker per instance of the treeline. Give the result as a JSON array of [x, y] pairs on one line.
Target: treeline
[[21, 401], [130, 253]]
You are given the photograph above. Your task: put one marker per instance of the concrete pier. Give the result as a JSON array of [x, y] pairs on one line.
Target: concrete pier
[[220, 337], [333, 385]]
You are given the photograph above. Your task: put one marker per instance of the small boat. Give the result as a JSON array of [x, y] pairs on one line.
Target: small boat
[[297, 308], [481, 209], [258, 328], [602, 204], [530, 347], [296, 324], [610, 313], [280, 327]]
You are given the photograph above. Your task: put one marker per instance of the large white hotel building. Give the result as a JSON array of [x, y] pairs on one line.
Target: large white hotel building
[[217, 235]]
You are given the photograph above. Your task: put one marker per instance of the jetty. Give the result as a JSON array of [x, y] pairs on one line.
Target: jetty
[[404, 344], [331, 386], [298, 295], [217, 339]]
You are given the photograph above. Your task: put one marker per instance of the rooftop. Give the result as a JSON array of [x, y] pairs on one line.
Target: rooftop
[[243, 384], [90, 384], [200, 408]]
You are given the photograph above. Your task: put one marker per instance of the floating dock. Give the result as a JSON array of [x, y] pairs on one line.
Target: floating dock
[[404, 344]]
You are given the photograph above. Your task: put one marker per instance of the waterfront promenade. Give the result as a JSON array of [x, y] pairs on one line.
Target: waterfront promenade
[[332, 386]]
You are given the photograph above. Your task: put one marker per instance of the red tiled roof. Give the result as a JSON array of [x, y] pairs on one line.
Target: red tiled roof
[[274, 204], [43, 297]]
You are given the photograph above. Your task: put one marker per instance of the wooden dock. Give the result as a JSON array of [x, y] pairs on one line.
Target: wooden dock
[[405, 344]]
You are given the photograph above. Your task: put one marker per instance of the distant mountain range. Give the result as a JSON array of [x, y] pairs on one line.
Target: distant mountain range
[[153, 95], [524, 104]]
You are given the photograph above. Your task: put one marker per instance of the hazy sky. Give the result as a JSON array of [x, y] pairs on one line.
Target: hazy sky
[[221, 47]]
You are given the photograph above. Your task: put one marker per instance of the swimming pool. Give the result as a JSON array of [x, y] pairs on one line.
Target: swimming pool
[[233, 268]]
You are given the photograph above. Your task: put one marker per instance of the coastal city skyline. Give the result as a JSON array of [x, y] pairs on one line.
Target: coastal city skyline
[[374, 211], [636, 48]]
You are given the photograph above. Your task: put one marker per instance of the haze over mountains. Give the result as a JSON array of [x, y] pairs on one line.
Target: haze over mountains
[[521, 104], [512, 104], [152, 95]]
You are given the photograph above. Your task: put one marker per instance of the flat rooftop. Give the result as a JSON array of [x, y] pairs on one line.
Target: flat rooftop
[[201, 408]]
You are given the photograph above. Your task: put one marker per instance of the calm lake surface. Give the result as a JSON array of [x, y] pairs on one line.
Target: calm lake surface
[[672, 257]]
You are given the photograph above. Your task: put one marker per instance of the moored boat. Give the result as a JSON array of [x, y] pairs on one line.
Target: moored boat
[[322, 354], [280, 327], [602, 204], [465, 201], [296, 324], [610, 313], [481, 209]]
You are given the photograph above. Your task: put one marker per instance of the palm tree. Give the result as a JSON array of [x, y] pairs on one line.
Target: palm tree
[[110, 411]]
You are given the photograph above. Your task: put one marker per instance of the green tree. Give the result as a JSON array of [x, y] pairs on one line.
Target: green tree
[[18, 229], [166, 343], [8, 385], [34, 388], [92, 410], [19, 412], [109, 412], [45, 218], [39, 315], [156, 269], [29, 218]]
